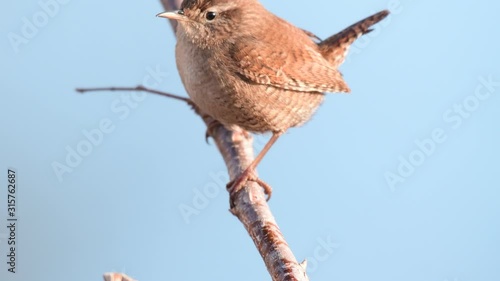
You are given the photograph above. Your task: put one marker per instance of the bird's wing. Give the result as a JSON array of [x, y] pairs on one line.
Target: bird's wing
[[335, 48], [293, 65]]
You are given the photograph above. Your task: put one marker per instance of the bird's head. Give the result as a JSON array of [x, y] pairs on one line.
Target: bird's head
[[208, 23]]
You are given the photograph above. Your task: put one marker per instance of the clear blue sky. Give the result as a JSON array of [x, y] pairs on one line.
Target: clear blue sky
[[398, 181]]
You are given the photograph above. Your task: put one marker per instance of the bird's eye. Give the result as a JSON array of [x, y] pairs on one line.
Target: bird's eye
[[210, 15]]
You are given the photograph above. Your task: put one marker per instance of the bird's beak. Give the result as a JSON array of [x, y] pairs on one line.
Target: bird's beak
[[174, 15]]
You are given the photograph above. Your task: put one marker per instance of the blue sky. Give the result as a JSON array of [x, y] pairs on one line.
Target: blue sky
[[396, 181]]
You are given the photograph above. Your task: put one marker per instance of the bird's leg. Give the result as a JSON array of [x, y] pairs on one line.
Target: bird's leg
[[235, 185]]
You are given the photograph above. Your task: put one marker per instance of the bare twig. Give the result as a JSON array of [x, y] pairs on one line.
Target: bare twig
[[137, 88], [250, 203], [208, 120]]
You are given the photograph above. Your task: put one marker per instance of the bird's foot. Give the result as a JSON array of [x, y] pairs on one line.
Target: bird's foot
[[234, 186]]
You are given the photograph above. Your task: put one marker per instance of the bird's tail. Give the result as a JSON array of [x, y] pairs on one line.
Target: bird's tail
[[335, 48]]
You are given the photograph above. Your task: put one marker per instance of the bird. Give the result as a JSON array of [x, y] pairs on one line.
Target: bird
[[246, 67]]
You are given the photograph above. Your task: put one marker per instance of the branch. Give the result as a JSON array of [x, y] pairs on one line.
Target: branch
[[250, 203], [137, 88]]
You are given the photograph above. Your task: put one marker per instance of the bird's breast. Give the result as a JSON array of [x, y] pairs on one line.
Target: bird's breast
[[219, 91], [193, 69]]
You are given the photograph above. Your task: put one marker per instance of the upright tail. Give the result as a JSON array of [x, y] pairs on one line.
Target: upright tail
[[335, 48]]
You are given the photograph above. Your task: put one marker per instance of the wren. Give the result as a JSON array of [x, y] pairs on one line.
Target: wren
[[246, 67]]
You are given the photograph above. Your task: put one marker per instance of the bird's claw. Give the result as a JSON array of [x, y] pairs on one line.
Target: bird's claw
[[234, 186]]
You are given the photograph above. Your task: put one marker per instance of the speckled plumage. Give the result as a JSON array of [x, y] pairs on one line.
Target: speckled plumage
[[250, 68]]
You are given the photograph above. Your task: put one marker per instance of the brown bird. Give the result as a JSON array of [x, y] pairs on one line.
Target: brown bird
[[246, 67]]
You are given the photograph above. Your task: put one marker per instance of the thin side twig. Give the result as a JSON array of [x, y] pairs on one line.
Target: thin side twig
[[137, 88], [206, 118]]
